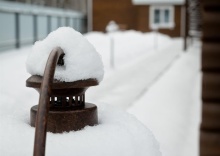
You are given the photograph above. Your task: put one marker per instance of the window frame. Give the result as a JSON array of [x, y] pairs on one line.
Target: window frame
[[161, 24]]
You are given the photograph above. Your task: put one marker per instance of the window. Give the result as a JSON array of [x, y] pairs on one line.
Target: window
[[161, 17]]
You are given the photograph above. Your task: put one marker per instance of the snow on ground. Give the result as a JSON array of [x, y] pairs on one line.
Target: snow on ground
[[118, 134], [171, 107], [122, 87], [15, 103], [127, 46], [174, 121]]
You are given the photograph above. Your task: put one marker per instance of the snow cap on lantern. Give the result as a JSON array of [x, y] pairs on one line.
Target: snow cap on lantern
[[81, 61], [79, 67]]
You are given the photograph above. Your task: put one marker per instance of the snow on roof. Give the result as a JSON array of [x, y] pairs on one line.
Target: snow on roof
[[146, 2], [81, 60]]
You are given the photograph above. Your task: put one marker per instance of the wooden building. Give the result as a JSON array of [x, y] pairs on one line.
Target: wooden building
[[166, 16], [210, 126]]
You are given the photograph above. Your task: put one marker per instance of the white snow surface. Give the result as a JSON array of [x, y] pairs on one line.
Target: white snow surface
[[81, 61], [126, 84], [126, 46], [172, 106], [117, 134], [112, 26], [169, 107]]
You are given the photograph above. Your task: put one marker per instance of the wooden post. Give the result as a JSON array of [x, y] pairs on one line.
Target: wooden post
[[17, 30], [57, 112], [186, 25], [35, 26], [112, 53], [59, 21], [48, 24], [44, 101]]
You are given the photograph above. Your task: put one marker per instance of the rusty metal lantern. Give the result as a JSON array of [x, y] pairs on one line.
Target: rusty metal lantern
[[62, 106]]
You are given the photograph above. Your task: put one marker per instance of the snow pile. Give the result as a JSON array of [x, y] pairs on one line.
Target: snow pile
[[112, 26], [171, 107], [118, 134], [81, 61]]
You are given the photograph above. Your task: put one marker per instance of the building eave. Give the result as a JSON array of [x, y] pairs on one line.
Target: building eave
[[158, 2]]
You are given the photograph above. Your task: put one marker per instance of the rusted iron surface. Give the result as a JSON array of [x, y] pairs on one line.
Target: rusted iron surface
[[60, 120], [35, 82], [44, 102], [62, 106]]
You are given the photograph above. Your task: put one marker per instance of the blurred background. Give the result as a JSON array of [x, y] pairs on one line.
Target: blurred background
[[161, 60], [28, 21]]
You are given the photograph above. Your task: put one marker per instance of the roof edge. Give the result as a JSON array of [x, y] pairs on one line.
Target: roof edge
[[153, 2]]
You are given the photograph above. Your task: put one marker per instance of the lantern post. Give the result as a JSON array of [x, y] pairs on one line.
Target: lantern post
[[62, 106]]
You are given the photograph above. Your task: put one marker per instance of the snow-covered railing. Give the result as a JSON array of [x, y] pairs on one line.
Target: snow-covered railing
[[24, 23]]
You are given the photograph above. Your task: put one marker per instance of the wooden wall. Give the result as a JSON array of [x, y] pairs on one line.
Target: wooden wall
[[142, 18], [121, 11], [210, 127], [133, 16]]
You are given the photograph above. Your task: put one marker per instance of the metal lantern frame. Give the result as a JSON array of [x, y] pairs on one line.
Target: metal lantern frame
[[62, 106]]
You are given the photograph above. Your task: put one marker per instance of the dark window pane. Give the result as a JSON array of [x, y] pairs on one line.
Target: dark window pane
[[166, 16], [156, 16]]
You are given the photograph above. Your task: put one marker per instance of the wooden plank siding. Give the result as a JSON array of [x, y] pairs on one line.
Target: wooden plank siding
[[133, 16], [210, 126], [122, 12]]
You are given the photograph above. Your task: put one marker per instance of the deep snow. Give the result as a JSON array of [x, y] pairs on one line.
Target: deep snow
[[171, 107], [118, 134], [173, 119]]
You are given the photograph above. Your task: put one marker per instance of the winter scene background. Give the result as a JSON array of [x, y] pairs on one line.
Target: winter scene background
[[149, 96]]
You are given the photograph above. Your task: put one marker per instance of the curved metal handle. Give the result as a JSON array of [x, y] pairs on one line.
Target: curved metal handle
[[43, 107]]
